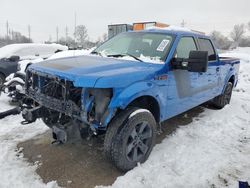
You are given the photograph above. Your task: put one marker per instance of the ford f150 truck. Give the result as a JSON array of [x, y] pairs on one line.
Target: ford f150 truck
[[127, 87]]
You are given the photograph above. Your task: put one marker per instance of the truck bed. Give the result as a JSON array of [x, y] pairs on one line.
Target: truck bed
[[229, 60]]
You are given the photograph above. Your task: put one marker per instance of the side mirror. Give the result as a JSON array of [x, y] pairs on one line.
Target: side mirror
[[14, 58], [197, 62]]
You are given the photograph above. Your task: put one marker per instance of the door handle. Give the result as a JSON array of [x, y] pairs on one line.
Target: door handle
[[217, 69]]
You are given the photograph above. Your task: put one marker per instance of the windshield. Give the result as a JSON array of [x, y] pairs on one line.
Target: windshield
[[137, 44]]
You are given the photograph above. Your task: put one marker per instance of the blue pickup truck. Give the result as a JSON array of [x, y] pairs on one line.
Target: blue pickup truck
[[127, 87]]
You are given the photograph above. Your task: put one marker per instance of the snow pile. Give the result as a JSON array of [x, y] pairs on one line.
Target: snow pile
[[154, 60], [170, 28], [23, 64], [145, 59], [14, 170], [70, 53], [175, 28], [30, 50], [212, 151]]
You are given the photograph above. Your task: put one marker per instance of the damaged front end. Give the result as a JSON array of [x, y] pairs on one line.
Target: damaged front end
[[66, 109]]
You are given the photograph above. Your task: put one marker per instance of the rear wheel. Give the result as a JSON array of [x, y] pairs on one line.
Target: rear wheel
[[134, 139], [222, 100], [2, 79]]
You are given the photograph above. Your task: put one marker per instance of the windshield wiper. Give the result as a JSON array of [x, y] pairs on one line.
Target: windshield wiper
[[125, 54], [97, 53]]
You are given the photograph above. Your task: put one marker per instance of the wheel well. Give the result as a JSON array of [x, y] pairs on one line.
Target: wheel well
[[149, 103], [232, 79]]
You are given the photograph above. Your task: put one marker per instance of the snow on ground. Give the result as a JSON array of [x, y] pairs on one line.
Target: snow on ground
[[14, 170], [241, 53], [212, 151]]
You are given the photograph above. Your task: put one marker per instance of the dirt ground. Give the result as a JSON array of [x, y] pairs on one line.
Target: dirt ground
[[83, 164]]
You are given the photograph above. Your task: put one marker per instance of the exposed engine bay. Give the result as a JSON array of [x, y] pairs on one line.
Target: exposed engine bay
[[62, 106]]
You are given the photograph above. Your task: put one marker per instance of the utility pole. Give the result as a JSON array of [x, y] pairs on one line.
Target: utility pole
[[7, 28], [183, 23], [57, 32], [29, 32], [66, 32], [12, 34]]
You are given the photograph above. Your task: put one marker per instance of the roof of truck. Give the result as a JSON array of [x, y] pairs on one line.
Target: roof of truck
[[175, 30]]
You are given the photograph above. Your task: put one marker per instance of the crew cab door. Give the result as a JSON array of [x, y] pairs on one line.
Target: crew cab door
[[186, 89], [212, 76]]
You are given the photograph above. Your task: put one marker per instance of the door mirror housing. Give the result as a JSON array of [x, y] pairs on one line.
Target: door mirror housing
[[197, 62], [14, 58]]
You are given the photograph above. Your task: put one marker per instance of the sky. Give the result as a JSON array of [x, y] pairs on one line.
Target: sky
[[45, 15]]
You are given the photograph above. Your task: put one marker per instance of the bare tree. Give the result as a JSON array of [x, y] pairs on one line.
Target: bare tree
[[14, 37], [104, 37], [238, 32], [81, 34], [220, 40], [67, 41]]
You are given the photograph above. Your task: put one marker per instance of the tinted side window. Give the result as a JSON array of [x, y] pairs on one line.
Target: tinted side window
[[206, 45], [186, 44]]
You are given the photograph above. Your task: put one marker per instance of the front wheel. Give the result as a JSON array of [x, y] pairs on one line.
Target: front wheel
[[222, 100], [133, 139]]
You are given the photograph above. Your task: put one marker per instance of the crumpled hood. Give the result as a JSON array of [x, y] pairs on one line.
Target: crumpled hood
[[95, 71]]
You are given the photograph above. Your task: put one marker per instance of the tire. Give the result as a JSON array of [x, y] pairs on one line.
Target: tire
[[132, 139], [114, 127], [222, 100], [2, 79]]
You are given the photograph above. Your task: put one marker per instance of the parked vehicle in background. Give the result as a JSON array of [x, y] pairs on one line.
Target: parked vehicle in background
[[146, 25], [11, 54], [116, 29], [136, 81], [21, 56], [7, 66]]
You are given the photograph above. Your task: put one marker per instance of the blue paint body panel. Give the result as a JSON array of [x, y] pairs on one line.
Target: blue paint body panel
[[181, 91]]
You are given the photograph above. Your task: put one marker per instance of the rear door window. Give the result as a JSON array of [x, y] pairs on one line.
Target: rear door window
[[206, 45], [186, 44]]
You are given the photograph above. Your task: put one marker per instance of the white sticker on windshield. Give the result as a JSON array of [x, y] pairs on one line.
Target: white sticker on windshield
[[163, 45]]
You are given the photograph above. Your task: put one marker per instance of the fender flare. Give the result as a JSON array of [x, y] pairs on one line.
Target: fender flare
[[231, 74], [139, 89]]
